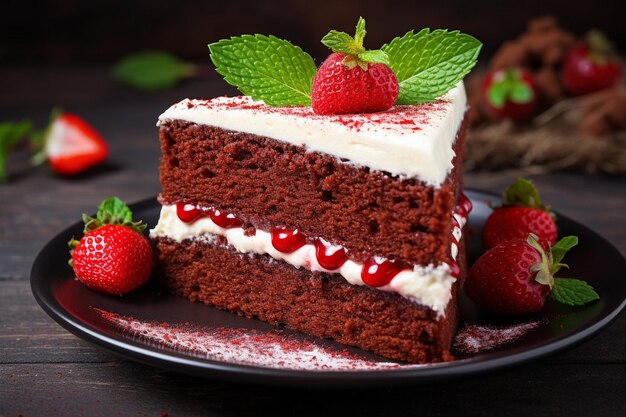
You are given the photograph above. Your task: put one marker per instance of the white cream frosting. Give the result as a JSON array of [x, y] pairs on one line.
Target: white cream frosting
[[429, 285], [410, 141]]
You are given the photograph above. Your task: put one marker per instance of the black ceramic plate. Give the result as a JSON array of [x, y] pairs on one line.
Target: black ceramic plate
[[159, 329]]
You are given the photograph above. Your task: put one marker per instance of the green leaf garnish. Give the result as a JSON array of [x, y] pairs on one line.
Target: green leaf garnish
[[429, 64], [573, 292], [10, 134], [152, 71], [266, 68], [112, 211]]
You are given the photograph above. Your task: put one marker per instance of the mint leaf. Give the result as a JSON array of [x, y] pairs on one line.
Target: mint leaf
[[429, 64], [152, 71], [573, 292], [266, 68], [10, 134], [376, 57]]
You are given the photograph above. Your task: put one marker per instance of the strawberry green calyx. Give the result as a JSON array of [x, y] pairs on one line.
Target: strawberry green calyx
[[353, 47], [564, 290], [112, 211], [601, 50], [524, 193], [510, 87]]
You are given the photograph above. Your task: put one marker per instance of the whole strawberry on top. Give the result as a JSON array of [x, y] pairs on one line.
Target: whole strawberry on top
[[516, 276], [353, 79], [509, 94], [113, 256], [521, 213], [591, 66]]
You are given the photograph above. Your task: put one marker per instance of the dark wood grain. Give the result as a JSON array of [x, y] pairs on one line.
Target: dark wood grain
[[45, 370]]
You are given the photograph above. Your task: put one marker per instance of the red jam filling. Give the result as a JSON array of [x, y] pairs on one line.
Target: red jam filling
[[377, 271], [455, 271], [329, 257], [225, 220], [463, 205], [287, 240], [189, 213]]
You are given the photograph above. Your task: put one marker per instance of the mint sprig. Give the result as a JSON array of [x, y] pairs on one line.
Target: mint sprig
[[152, 70], [429, 64], [10, 134], [266, 68], [573, 292]]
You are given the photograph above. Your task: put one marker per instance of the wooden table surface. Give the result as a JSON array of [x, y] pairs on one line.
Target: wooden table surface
[[46, 371]]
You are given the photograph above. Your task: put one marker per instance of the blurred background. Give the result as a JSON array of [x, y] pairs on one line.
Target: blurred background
[[66, 32]]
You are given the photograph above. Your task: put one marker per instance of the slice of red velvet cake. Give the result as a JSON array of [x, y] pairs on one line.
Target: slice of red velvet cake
[[342, 226]]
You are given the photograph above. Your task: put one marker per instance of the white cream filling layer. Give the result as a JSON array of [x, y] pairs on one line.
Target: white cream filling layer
[[428, 285], [410, 141]]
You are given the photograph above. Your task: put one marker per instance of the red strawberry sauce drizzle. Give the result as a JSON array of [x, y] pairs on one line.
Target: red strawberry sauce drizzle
[[376, 271]]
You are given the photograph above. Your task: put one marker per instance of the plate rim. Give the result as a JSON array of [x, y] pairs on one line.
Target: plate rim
[[201, 367]]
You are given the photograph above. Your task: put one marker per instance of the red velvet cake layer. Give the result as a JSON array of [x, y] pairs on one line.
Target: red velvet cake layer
[[317, 303], [266, 183]]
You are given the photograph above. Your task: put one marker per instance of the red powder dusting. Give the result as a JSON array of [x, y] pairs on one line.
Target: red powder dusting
[[478, 339], [408, 117], [273, 349]]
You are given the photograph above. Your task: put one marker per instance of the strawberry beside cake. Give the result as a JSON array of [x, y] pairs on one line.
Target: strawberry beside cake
[[341, 224]]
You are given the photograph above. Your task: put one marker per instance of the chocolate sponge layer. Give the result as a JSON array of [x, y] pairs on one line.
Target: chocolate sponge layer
[[320, 304], [269, 183]]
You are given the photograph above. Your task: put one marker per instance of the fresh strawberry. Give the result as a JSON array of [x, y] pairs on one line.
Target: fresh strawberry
[[351, 79], [113, 256], [71, 145], [521, 213], [509, 94], [516, 276], [591, 66]]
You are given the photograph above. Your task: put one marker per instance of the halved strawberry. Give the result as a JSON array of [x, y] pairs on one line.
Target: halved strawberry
[[72, 145]]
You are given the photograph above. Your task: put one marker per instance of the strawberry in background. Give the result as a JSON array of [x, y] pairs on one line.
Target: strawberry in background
[[591, 65], [509, 94], [70, 145]]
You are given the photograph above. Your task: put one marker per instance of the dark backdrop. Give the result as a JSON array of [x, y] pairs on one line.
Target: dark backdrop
[[78, 31]]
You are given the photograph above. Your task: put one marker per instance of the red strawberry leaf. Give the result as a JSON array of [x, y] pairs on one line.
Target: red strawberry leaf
[[573, 292], [523, 193]]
